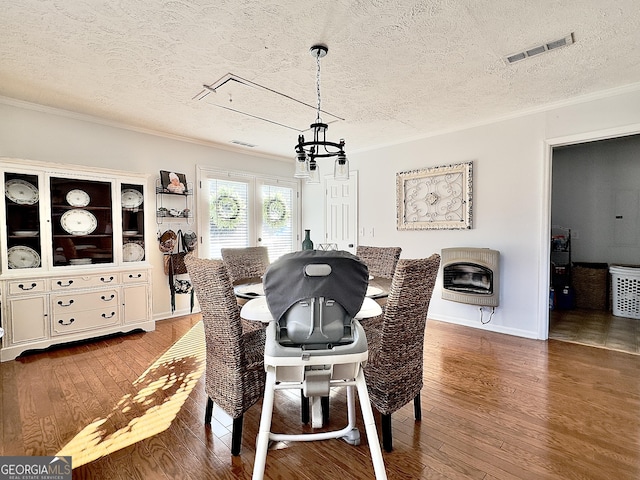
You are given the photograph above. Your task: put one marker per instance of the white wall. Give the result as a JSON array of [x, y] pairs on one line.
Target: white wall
[[50, 136], [511, 209]]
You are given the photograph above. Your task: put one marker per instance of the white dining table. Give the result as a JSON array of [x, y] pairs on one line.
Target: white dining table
[[257, 310]]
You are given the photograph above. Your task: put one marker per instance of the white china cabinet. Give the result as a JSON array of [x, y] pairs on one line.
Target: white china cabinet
[[73, 254]]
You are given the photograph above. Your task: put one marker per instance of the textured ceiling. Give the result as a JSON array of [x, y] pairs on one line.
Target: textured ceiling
[[396, 70]]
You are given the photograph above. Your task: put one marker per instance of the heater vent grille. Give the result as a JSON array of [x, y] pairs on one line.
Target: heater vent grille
[[471, 275], [538, 49]]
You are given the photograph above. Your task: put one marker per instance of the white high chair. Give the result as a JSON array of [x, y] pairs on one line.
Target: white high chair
[[315, 342]]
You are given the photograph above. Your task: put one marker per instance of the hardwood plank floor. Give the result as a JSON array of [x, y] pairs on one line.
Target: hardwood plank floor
[[495, 407]]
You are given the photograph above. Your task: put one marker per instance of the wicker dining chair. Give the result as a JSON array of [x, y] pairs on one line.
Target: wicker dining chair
[[394, 370], [245, 263], [381, 261], [234, 372]]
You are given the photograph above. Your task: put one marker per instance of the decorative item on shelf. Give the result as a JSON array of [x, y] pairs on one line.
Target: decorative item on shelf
[[78, 222], [21, 256], [308, 151], [275, 212], [307, 244], [21, 192], [25, 233], [225, 210], [131, 198], [80, 261], [78, 198], [132, 252], [173, 182]]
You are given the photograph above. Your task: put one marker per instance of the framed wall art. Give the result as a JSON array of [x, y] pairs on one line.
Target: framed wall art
[[173, 182], [436, 198]]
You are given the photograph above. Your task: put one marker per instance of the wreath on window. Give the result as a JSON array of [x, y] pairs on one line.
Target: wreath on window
[[225, 210], [275, 212]]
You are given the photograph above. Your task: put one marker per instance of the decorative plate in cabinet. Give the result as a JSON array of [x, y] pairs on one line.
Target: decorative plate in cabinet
[[132, 252], [78, 222], [21, 192], [131, 198], [78, 198], [22, 257]]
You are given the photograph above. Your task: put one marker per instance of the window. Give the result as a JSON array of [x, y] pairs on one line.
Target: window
[[244, 210]]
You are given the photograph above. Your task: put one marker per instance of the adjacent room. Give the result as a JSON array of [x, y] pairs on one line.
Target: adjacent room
[[293, 239], [595, 207]]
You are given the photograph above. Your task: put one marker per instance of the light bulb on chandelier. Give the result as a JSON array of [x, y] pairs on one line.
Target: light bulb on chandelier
[[308, 151]]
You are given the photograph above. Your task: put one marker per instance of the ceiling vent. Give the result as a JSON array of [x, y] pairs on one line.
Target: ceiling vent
[[538, 49], [243, 144]]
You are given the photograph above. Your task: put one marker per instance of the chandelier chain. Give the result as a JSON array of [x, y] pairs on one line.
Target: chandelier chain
[[318, 83]]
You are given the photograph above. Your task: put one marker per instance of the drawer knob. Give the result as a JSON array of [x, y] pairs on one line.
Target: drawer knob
[[106, 280], [107, 299], [104, 315], [64, 284], [131, 275], [22, 287], [71, 320], [65, 304]]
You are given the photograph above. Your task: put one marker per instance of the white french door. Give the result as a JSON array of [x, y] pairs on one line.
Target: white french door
[[243, 210]]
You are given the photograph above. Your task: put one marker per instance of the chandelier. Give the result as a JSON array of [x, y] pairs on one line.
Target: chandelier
[[308, 151]]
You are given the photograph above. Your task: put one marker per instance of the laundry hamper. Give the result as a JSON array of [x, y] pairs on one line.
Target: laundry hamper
[[625, 285]]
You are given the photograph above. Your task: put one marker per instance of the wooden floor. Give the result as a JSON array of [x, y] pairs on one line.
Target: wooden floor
[[494, 407], [597, 328]]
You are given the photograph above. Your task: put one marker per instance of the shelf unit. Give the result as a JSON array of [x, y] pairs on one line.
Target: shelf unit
[[560, 256], [174, 207], [562, 295], [73, 261]]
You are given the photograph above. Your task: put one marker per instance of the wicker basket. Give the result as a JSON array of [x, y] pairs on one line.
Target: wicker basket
[[591, 284]]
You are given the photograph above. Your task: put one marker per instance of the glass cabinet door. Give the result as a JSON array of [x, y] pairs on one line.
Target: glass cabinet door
[[81, 221], [22, 199], [132, 201]]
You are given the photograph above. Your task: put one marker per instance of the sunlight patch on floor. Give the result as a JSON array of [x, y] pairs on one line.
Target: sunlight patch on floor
[[162, 390]]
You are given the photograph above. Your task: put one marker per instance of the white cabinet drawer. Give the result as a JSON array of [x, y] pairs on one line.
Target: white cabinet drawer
[[135, 276], [73, 282], [70, 322], [17, 287], [78, 302]]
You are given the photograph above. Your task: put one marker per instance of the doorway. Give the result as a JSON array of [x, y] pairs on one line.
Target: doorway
[[595, 194], [341, 212]]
